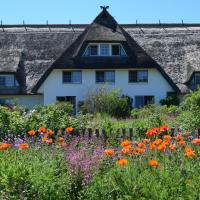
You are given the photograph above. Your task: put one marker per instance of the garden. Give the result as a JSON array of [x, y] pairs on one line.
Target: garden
[[104, 152]]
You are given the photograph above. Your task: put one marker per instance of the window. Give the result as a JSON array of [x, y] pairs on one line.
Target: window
[[8, 81], [70, 99], [141, 101], [72, 77], [138, 76], [105, 76], [115, 50], [93, 50], [105, 50]]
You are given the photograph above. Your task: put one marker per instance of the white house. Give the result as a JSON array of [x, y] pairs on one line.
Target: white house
[[63, 64]]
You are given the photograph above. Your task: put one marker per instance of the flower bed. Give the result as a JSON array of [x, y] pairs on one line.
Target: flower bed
[[59, 165]]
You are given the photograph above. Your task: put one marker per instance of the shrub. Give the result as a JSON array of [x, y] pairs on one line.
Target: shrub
[[171, 99], [36, 173], [110, 102]]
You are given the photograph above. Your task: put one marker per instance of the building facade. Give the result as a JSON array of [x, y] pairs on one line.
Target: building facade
[[42, 65]]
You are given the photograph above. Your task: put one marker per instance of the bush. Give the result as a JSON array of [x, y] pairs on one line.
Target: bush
[[110, 102], [170, 100], [36, 173]]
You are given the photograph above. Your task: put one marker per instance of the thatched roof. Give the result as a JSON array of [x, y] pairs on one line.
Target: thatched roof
[[31, 52]]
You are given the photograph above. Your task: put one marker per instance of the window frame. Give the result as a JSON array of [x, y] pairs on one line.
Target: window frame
[[104, 81], [121, 49], [133, 82], [71, 71]]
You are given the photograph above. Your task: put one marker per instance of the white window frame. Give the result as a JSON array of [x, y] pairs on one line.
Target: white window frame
[[99, 50]]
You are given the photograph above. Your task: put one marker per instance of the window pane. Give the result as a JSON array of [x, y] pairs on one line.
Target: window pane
[[2, 81], [197, 79], [139, 101], [104, 49], [10, 81], [142, 76], [93, 50], [76, 77], [110, 76], [148, 100], [115, 50], [100, 76], [132, 76], [67, 77]]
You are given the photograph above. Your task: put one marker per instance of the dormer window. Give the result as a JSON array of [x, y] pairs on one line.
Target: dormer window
[[8, 80], [105, 49]]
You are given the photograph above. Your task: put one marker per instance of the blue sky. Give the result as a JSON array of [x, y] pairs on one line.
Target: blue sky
[[84, 11]]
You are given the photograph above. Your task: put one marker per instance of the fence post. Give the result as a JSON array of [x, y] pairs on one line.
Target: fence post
[[104, 134], [172, 132], [123, 133], [97, 132], [137, 130], [130, 133], [89, 133], [198, 132]]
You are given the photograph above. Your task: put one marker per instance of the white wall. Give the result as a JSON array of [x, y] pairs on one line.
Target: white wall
[[157, 85], [25, 100]]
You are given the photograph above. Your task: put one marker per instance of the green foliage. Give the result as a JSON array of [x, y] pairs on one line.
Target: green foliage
[[110, 102], [175, 178], [170, 100], [36, 173]]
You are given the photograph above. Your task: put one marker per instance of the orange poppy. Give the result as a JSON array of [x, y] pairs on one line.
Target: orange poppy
[[152, 132], [23, 146], [50, 141], [69, 130], [157, 141], [60, 139], [161, 147], [181, 143], [31, 133], [4, 146], [109, 152], [125, 151], [146, 141], [199, 151], [140, 150], [196, 141], [62, 144], [42, 130], [173, 147], [125, 143], [153, 163], [141, 145], [167, 138], [152, 147], [164, 128], [134, 153], [50, 132], [122, 162], [178, 137], [189, 152]]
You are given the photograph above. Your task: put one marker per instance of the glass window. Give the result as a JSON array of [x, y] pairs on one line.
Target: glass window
[[105, 76], [104, 50], [116, 50], [8, 81], [138, 76], [93, 50], [141, 101], [72, 77]]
